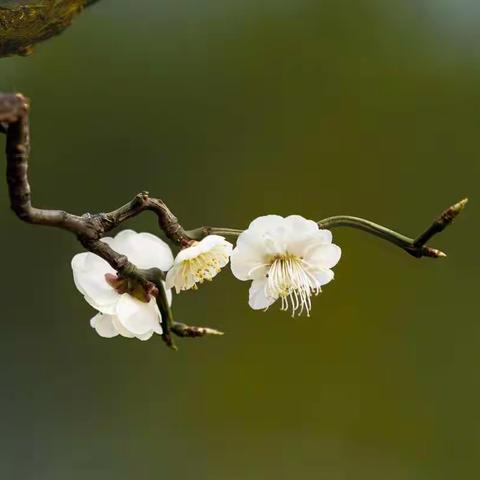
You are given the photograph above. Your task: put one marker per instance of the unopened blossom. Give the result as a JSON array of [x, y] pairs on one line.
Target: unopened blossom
[[286, 258], [199, 262], [120, 311]]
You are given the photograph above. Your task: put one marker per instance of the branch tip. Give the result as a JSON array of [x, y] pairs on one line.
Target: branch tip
[[182, 330], [445, 219], [169, 342], [450, 213], [433, 253]]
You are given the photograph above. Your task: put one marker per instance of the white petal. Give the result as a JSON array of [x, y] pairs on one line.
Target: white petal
[[158, 328], [211, 241], [248, 256], [246, 267], [89, 276], [301, 226], [145, 336], [306, 237], [324, 256], [207, 244], [144, 250], [168, 292], [121, 329], [269, 234], [325, 235], [107, 308], [137, 317], [257, 298], [302, 244], [323, 276], [77, 264], [306, 230], [174, 279], [103, 325], [201, 261], [265, 223], [190, 252]]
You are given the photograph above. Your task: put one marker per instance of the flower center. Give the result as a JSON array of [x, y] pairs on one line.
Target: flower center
[[203, 267], [289, 278]]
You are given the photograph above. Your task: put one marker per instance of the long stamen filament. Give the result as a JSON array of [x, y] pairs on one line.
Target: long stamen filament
[[290, 278]]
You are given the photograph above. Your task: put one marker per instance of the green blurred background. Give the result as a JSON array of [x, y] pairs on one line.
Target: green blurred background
[[229, 110]]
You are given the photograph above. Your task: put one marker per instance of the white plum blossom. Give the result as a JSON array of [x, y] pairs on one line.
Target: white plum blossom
[[288, 258], [121, 313], [198, 262]]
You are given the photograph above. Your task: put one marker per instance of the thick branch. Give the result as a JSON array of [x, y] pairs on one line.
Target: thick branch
[[167, 221], [14, 119], [89, 228]]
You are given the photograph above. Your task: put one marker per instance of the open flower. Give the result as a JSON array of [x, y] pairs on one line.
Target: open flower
[[120, 313], [288, 258], [198, 262]]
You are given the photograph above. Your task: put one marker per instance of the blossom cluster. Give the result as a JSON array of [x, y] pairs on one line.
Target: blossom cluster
[[286, 258]]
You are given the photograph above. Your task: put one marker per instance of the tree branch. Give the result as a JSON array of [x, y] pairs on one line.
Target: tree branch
[[167, 221], [415, 247], [445, 219], [89, 228]]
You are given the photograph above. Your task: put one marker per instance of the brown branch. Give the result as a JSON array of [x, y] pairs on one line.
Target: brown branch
[[167, 221], [14, 118], [89, 228]]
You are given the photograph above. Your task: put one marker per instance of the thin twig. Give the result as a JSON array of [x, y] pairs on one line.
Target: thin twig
[[182, 330], [202, 232], [415, 247], [445, 219]]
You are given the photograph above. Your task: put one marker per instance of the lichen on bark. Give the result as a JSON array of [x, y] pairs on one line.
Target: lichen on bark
[[26, 23]]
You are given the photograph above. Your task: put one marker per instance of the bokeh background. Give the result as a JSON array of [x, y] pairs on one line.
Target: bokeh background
[[229, 110]]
